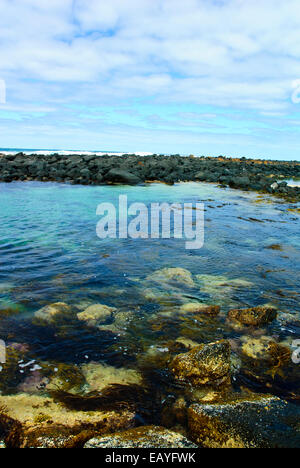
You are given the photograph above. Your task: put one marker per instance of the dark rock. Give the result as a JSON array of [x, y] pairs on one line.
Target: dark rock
[[121, 176], [257, 421]]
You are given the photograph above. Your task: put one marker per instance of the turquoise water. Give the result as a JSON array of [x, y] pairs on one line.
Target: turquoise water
[[50, 253]]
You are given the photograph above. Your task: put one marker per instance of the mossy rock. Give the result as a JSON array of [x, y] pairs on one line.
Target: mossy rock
[[255, 316], [204, 364]]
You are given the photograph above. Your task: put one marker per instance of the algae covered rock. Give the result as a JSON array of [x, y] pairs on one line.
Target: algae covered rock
[[39, 421], [204, 364], [266, 349], [179, 276], [96, 315], [54, 312], [256, 421], [255, 316], [142, 437]]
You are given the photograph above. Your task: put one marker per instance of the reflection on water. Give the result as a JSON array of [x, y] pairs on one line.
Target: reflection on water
[[50, 254]]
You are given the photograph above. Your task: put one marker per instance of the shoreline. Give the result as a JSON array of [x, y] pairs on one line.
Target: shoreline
[[244, 174]]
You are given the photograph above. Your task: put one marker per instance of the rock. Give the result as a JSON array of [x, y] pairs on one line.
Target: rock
[[220, 286], [96, 315], [38, 421], [204, 364], [142, 437], [197, 307], [121, 176], [181, 276], [275, 247], [266, 349], [98, 376], [256, 421], [54, 312], [255, 316]]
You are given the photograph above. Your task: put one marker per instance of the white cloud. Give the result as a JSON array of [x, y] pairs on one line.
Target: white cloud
[[238, 52]]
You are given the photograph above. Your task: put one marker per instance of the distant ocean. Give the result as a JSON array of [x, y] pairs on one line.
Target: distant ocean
[[62, 152]]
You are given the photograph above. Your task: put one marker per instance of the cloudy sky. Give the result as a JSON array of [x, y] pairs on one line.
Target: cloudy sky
[[194, 76]]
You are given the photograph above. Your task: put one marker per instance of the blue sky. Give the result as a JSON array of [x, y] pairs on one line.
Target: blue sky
[[200, 76]]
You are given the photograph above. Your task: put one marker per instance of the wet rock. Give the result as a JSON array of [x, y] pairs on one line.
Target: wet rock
[[196, 307], [179, 276], [254, 421], [96, 315], [204, 364], [38, 421], [142, 437], [54, 312], [255, 316]]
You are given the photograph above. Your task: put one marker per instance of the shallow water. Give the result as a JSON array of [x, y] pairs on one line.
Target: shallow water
[[50, 253]]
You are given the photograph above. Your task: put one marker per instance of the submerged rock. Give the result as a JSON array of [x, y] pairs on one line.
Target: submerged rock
[[255, 421], [142, 437], [96, 315], [197, 307], [98, 376], [36, 421], [204, 364], [179, 276], [54, 312], [220, 286], [255, 316], [266, 349]]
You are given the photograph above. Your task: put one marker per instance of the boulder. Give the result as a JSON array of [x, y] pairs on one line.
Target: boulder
[[204, 364], [255, 316], [96, 315], [122, 177], [253, 421], [142, 437]]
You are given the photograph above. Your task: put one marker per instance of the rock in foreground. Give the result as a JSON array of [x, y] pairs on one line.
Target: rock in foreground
[[256, 422], [39, 422], [142, 437], [204, 364]]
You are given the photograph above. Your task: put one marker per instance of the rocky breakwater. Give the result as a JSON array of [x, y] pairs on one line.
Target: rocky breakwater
[[246, 174]]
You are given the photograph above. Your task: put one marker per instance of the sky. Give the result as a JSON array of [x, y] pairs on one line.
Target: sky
[[203, 77]]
